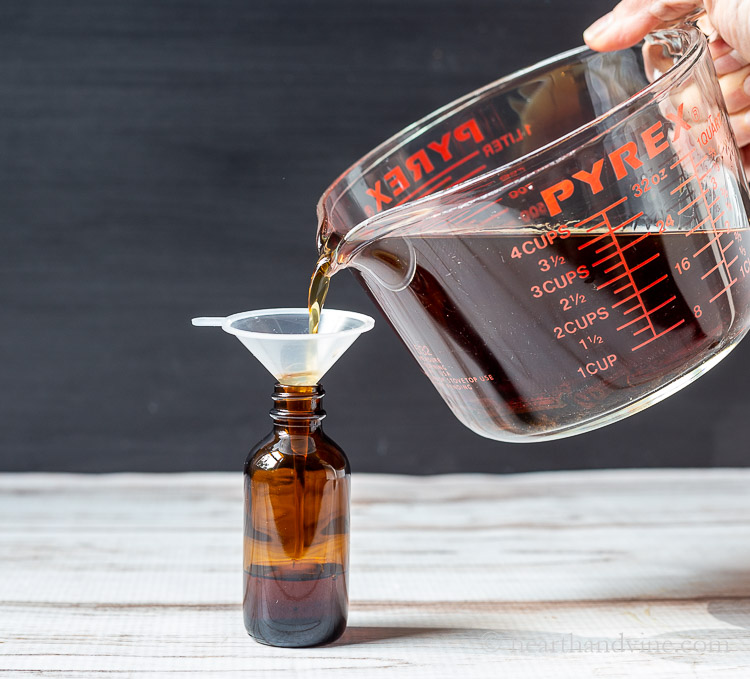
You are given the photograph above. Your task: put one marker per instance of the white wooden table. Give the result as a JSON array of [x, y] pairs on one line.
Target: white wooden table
[[593, 574]]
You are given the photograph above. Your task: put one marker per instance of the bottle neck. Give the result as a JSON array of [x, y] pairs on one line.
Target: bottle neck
[[296, 409]]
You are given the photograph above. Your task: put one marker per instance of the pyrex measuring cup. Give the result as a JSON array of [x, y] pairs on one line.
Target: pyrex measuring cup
[[563, 247]]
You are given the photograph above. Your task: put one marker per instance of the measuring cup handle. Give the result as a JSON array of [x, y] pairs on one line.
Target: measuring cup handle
[[689, 20], [692, 17]]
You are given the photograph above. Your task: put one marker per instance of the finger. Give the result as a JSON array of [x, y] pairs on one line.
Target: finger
[[740, 123], [719, 48], [730, 21], [726, 58], [731, 61], [736, 89], [631, 20]]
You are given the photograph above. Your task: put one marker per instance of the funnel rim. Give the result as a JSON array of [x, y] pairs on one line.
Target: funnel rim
[[367, 324]]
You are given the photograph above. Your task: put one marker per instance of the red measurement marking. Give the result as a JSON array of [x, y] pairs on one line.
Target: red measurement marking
[[698, 225], [661, 334], [710, 271], [632, 308], [702, 194], [437, 187], [677, 188], [482, 208], [683, 158], [610, 230], [619, 226], [477, 170], [726, 264], [601, 213], [642, 290], [707, 245], [437, 176], [717, 236], [726, 289], [612, 280], [614, 254], [629, 271], [603, 248], [601, 219], [494, 216], [646, 314]]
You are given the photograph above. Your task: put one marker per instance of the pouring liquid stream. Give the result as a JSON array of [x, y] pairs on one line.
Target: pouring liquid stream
[[318, 290], [316, 298]]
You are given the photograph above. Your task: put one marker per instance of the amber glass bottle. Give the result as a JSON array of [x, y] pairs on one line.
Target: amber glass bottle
[[296, 546]]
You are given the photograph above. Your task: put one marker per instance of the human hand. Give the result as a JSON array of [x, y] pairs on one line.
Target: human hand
[[727, 25]]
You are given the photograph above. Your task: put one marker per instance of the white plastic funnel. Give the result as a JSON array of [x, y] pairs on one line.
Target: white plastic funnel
[[280, 340]]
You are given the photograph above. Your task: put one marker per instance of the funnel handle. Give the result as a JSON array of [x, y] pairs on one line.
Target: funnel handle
[[209, 320]]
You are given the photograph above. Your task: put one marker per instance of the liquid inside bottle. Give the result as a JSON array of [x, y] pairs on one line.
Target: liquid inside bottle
[[296, 542]]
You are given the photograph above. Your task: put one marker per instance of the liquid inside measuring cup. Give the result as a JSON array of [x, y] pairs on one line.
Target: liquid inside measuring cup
[[622, 320], [634, 334]]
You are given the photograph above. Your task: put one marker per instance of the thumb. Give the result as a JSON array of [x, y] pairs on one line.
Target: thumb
[[631, 20]]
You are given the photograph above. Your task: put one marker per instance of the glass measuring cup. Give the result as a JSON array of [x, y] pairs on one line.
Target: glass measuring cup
[[563, 247]]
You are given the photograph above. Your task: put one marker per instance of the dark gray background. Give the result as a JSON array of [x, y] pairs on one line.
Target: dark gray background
[[161, 160]]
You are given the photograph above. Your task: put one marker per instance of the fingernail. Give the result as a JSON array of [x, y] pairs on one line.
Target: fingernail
[[598, 27], [746, 86], [747, 119]]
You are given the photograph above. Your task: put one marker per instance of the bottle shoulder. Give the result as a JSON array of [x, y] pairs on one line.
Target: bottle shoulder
[[278, 451], [262, 447], [332, 452]]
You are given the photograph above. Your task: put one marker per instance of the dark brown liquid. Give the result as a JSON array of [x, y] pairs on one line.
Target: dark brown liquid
[[316, 295], [522, 336], [295, 607]]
